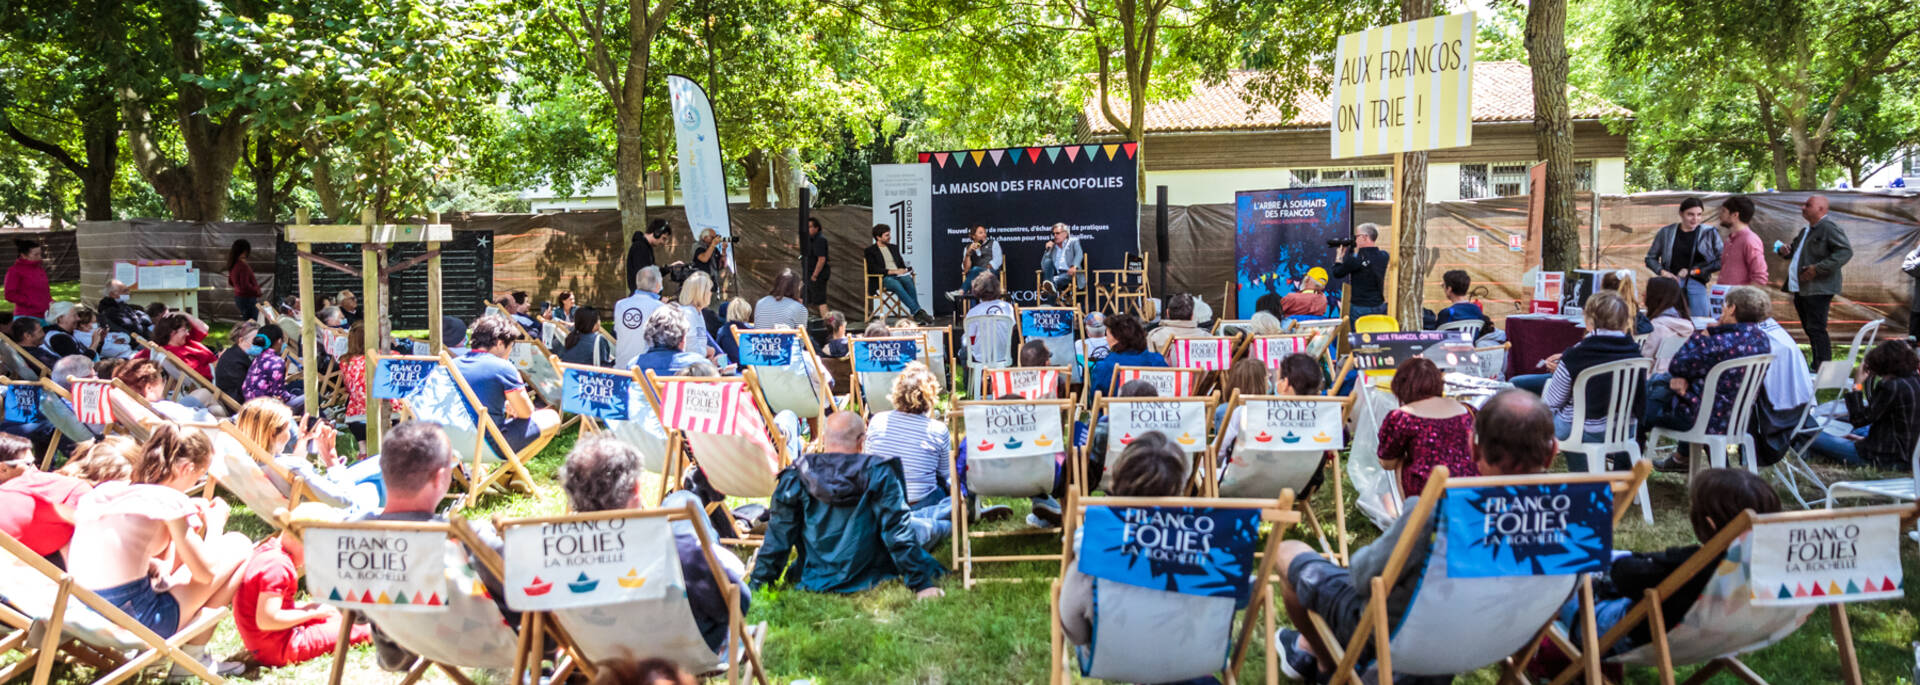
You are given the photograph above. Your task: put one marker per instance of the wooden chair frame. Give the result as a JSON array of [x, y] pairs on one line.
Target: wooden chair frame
[[187, 375], [817, 373], [963, 532], [680, 452], [297, 488], [1212, 473], [859, 388], [1082, 479], [1114, 383], [512, 473], [879, 300], [1111, 293]]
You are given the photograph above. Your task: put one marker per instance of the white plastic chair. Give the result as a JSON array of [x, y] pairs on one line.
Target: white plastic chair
[[1746, 394], [989, 339], [1473, 327], [1626, 378], [1897, 489]]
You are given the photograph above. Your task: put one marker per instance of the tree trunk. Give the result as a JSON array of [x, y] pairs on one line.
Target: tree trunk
[[783, 195], [630, 170], [1806, 154], [322, 172], [1770, 127], [757, 180], [264, 196], [1546, 43], [1410, 242], [101, 135], [56, 203]]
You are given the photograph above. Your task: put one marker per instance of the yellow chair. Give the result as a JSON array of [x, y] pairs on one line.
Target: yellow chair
[[1376, 323]]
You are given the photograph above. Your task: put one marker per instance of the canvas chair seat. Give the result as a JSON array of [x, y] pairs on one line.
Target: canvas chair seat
[[874, 390], [1724, 621], [1377, 489], [235, 469], [875, 381], [536, 365], [60, 414], [33, 594], [652, 629], [795, 386], [734, 448], [1256, 472], [938, 355], [1153, 636], [642, 430], [1502, 615], [997, 476], [989, 344], [1191, 438], [438, 400], [471, 633], [1041, 323]]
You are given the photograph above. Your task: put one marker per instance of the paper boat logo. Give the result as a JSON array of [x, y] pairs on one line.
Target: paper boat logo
[[1322, 437], [1126, 439], [583, 584], [632, 580], [1013, 443], [985, 446], [1290, 438], [1185, 439], [537, 588], [1263, 437], [1043, 441]]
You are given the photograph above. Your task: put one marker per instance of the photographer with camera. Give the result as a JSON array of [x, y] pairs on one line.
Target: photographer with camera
[[1365, 269], [710, 253], [640, 254]]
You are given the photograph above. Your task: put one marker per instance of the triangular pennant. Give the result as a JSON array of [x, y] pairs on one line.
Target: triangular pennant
[[1033, 154], [1833, 588], [366, 597], [1053, 153], [924, 156], [1110, 150], [1799, 590], [1886, 585], [1014, 158], [400, 598], [383, 598], [1819, 591], [940, 159], [1852, 587], [997, 154], [334, 596], [1784, 592], [977, 156], [433, 600], [1093, 152], [1129, 147], [1073, 153]]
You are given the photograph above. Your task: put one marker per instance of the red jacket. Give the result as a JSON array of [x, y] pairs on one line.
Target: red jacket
[[240, 277], [27, 288]]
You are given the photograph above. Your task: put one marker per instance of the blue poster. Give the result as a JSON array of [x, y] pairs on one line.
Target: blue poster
[[1198, 551], [1528, 530], [600, 394], [23, 403], [395, 379], [1046, 323], [767, 349], [1280, 234], [883, 355]]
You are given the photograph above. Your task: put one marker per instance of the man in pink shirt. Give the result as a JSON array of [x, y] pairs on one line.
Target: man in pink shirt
[[1745, 262]]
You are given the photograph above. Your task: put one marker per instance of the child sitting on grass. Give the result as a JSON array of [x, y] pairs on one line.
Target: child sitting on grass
[[275, 628]]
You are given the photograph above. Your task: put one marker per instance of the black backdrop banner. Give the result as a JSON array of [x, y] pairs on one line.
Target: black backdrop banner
[[1019, 194]]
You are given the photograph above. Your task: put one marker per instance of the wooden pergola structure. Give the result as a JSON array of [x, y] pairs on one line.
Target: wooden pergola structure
[[374, 240]]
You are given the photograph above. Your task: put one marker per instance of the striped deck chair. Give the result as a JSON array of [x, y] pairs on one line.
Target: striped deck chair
[[182, 379], [456, 625], [939, 353], [729, 432], [1159, 620], [1482, 601], [615, 401], [786, 372], [1168, 381], [122, 411], [1732, 616], [1187, 422], [1015, 448], [1029, 382], [876, 362], [57, 408], [441, 396], [101, 634], [1280, 442], [641, 611]]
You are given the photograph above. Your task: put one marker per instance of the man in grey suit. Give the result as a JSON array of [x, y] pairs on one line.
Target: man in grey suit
[[1061, 261], [1814, 262]]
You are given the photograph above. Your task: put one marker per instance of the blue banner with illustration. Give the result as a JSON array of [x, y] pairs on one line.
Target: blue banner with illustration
[[1200, 551], [395, 379], [767, 349], [883, 355], [23, 403], [1280, 234], [603, 395], [1528, 530], [1046, 323]]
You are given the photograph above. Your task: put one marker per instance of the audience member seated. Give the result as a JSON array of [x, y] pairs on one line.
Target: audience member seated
[[1456, 283], [72, 330], [1177, 323], [666, 334], [144, 378], [1667, 302], [1097, 436], [497, 384], [1606, 342], [584, 344], [1126, 346], [1716, 498], [739, 317], [842, 515], [267, 377], [876, 329], [36, 507], [121, 316], [604, 474], [1784, 393], [837, 345], [181, 333], [41, 431], [230, 370], [277, 630], [1092, 346], [781, 308], [631, 313], [1428, 430], [32, 337], [1299, 375], [1150, 467], [1883, 407], [987, 298], [518, 307], [1263, 323], [1737, 336], [648, 672], [1310, 300], [1245, 378], [909, 433], [270, 426], [349, 305], [695, 294], [149, 549], [105, 459], [1513, 436], [1036, 353], [1621, 281]]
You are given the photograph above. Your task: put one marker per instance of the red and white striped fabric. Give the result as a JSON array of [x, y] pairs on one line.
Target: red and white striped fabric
[[1029, 384], [1271, 349], [1211, 354], [1169, 382], [709, 407], [92, 402]]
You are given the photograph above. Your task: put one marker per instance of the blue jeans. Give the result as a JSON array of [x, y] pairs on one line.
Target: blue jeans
[[931, 519], [1535, 383], [1607, 613], [1838, 449], [1355, 312], [973, 273], [1577, 461], [902, 287], [249, 307]]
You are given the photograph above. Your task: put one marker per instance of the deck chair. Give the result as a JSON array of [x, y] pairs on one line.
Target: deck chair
[[939, 351], [537, 365], [55, 408], [786, 371], [182, 379], [1015, 448], [1276, 452], [728, 430], [1626, 378], [989, 345], [1157, 622], [442, 396], [102, 634], [640, 612], [876, 362], [457, 625], [615, 401], [1746, 394], [1057, 327], [127, 412], [1029, 382], [881, 302], [1187, 422], [1732, 615], [1169, 381], [1206, 354], [1074, 294], [19, 364], [241, 467], [1480, 601]]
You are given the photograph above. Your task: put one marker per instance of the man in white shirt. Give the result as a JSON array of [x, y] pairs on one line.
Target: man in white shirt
[[630, 315]]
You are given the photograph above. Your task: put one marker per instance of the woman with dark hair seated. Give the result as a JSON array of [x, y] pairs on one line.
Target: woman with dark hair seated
[[1884, 407], [1126, 346], [1428, 430]]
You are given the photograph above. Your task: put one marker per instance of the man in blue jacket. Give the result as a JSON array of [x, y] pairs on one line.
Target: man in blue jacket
[[842, 516]]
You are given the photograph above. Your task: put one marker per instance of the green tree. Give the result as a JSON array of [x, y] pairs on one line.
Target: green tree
[[56, 92]]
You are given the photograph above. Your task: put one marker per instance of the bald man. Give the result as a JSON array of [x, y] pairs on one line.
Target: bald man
[[842, 515], [1814, 262]]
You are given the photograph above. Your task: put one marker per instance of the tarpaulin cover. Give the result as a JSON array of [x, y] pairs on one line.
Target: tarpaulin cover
[[62, 260]]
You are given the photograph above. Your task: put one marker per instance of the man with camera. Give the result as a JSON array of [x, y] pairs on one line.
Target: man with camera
[[710, 253], [1365, 269], [640, 254]]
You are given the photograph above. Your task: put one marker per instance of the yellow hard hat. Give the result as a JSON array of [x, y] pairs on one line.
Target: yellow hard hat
[[1318, 274]]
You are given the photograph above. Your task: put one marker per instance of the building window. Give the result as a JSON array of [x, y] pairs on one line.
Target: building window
[[1479, 181], [1368, 183], [1583, 176], [1473, 181]]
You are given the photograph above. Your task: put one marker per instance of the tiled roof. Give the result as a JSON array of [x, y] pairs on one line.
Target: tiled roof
[[1502, 91]]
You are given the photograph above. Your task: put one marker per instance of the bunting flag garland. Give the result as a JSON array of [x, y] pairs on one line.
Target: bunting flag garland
[[941, 157], [977, 156], [1073, 152], [1033, 154], [924, 156], [1093, 151], [1110, 149], [1129, 148], [1053, 153], [997, 154]]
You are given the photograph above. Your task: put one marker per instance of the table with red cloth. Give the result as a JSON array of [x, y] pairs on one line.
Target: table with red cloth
[[1534, 338]]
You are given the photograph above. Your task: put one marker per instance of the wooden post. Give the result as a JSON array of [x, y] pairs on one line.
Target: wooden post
[[434, 311], [373, 298], [1391, 237], [309, 346]]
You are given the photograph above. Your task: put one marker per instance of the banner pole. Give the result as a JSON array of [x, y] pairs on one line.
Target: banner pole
[[806, 212], [1161, 241], [1392, 284]]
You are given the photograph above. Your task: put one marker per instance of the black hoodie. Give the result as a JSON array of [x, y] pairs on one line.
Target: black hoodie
[[844, 520]]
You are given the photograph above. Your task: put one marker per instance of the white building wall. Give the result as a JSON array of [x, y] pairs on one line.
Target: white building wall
[[1217, 186]]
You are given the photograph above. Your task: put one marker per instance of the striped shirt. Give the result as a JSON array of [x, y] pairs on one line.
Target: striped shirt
[[920, 443], [773, 312]]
